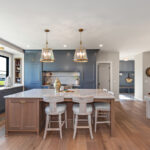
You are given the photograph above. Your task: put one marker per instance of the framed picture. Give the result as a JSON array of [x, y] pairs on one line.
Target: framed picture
[[148, 72]]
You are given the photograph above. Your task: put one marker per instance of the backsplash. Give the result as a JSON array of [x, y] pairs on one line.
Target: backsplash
[[68, 78]]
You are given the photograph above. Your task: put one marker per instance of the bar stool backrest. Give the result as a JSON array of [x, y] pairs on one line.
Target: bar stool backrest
[[83, 101], [105, 90], [53, 100], [110, 92]]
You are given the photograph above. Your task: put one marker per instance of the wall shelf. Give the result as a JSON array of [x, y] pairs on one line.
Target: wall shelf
[[18, 73]]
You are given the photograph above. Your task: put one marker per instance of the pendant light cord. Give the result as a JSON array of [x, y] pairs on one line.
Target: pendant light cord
[[46, 39], [80, 41]]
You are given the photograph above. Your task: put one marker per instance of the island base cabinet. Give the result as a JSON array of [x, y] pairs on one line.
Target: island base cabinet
[[22, 115]]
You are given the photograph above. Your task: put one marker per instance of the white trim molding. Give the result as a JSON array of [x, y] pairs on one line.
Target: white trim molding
[[11, 45]]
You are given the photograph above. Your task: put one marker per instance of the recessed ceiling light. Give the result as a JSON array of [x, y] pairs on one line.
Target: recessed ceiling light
[[28, 46], [65, 45], [126, 59], [100, 45]]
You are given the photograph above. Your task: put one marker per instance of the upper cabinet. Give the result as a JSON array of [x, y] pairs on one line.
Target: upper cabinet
[[63, 63], [89, 71]]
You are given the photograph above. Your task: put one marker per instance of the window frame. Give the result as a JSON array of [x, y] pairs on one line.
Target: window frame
[[7, 64]]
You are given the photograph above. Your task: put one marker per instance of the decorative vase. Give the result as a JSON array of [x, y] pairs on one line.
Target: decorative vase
[[77, 82], [8, 82], [57, 85]]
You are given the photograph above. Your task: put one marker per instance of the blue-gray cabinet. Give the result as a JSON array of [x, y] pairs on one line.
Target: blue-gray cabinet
[[33, 69], [5, 92], [63, 62]]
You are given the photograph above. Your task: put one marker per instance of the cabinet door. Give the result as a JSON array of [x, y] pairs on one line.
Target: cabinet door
[[29, 115], [89, 78], [13, 114], [32, 70]]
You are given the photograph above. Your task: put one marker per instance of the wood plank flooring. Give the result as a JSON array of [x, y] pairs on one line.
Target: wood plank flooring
[[132, 133]]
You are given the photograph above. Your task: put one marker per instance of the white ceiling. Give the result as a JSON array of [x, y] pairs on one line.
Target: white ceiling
[[121, 25]]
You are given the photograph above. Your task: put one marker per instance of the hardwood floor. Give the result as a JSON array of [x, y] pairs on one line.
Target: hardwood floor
[[132, 133]]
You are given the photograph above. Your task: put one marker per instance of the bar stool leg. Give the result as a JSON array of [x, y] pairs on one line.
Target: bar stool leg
[[73, 121], [90, 126], [46, 126], [49, 122], [75, 126], [95, 119], [60, 126], [66, 119]]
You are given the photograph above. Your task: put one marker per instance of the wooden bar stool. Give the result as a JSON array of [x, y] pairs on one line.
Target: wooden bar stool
[[102, 110], [54, 109], [83, 109]]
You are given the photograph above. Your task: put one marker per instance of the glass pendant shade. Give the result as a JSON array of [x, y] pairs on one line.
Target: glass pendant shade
[[80, 54], [47, 53]]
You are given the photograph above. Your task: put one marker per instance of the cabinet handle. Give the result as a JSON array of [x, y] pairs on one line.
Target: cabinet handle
[[22, 102]]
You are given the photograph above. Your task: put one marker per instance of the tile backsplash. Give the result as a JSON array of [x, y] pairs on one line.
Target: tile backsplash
[[68, 78]]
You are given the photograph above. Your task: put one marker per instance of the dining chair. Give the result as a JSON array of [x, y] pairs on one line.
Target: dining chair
[[102, 110], [82, 109], [55, 109]]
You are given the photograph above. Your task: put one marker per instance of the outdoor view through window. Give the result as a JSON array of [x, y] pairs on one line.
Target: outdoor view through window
[[3, 70]]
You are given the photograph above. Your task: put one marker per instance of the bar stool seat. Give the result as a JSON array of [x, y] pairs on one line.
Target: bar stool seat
[[76, 109], [60, 108], [102, 106]]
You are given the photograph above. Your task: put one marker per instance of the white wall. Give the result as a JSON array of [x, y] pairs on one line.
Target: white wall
[[142, 82], [113, 58], [146, 79], [139, 76]]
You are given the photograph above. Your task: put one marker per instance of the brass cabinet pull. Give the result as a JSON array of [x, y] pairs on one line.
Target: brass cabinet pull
[[22, 102]]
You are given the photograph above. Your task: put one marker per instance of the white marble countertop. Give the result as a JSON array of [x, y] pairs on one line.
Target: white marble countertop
[[14, 86], [40, 93]]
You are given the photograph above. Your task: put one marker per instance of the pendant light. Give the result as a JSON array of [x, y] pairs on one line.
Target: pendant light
[[1, 48], [128, 79], [47, 53], [80, 54]]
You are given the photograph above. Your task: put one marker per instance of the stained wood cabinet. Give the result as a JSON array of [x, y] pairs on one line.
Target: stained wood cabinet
[[22, 115], [14, 115]]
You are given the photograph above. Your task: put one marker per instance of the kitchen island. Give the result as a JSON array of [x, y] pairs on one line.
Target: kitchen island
[[25, 110]]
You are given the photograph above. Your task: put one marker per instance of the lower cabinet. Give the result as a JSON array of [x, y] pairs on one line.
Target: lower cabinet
[[22, 115], [5, 92]]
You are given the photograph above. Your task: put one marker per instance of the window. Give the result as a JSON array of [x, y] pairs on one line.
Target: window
[[4, 69]]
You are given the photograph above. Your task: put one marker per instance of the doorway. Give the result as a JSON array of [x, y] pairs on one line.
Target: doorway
[[126, 76], [104, 75]]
